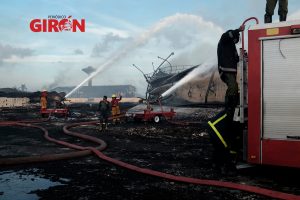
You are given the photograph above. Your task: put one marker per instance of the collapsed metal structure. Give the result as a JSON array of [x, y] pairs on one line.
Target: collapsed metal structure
[[208, 89]]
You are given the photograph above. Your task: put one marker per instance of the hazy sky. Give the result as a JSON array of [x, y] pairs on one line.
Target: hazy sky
[[189, 28]]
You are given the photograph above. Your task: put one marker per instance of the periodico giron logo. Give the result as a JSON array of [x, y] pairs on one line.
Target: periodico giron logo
[[57, 23]]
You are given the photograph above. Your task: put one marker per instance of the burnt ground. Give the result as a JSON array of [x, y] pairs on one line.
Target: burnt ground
[[178, 150]]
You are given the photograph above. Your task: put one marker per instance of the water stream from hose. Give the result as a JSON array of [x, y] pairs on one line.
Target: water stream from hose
[[144, 38], [201, 70]]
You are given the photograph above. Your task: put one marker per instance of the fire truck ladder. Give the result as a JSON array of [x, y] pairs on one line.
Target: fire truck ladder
[[240, 111]]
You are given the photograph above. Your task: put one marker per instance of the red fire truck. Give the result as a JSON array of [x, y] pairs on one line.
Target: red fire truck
[[270, 92]]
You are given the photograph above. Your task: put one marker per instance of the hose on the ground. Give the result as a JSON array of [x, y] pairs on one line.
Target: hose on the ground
[[231, 185], [48, 157], [225, 184]]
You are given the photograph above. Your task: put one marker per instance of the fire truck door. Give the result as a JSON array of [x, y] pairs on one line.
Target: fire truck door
[[281, 88]]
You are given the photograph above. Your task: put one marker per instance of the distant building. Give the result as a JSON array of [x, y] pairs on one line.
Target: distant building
[[99, 91], [8, 90]]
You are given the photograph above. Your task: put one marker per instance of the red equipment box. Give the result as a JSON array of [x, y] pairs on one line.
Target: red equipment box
[[59, 112]]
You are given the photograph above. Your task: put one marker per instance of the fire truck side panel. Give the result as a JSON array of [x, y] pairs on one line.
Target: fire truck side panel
[[254, 94], [273, 93], [281, 153]]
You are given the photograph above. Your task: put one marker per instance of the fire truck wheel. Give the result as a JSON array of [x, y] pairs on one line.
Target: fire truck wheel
[[156, 119]]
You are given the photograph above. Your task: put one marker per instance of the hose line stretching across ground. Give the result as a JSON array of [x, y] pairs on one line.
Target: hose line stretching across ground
[[98, 153]]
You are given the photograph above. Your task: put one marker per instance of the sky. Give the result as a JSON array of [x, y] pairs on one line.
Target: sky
[[118, 34]]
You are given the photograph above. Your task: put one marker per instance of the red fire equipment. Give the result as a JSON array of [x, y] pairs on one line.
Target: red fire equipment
[[273, 104], [156, 116], [46, 112], [58, 112]]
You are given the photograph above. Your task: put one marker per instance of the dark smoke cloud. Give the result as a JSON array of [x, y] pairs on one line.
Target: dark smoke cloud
[[59, 79], [78, 52], [109, 43], [7, 51]]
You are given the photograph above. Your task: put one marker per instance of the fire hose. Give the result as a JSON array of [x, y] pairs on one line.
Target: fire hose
[[48, 157], [237, 186], [98, 153]]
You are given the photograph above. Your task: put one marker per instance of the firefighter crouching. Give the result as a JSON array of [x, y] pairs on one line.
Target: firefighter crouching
[[224, 132], [115, 108], [104, 109]]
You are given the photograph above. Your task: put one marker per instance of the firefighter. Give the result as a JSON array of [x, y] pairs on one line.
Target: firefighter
[[115, 108], [43, 100], [227, 65], [222, 129], [104, 109], [282, 10], [226, 140]]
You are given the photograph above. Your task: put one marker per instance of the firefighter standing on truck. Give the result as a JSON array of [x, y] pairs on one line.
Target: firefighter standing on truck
[[222, 127], [104, 109], [115, 108], [282, 10], [228, 59]]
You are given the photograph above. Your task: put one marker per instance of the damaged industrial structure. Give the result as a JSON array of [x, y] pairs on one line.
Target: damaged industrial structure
[[205, 89]]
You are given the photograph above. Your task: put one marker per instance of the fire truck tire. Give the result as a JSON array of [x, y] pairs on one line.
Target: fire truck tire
[[156, 119]]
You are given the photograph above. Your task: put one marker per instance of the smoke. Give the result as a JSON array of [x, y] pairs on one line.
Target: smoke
[[109, 43], [59, 79], [202, 70], [195, 54], [78, 52], [7, 51], [147, 35], [294, 16]]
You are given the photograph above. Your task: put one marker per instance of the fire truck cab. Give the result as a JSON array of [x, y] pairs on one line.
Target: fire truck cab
[[273, 100]]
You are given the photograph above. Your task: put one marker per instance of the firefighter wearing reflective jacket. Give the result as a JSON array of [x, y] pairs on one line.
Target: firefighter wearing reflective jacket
[[115, 108], [223, 131], [226, 139], [43, 100], [104, 109]]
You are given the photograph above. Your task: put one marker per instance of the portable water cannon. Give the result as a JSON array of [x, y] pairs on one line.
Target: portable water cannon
[[60, 109]]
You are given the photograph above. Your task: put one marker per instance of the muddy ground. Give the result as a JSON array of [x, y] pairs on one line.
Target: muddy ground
[[174, 149]]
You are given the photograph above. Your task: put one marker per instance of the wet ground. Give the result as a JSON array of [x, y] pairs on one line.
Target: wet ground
[[165, 147]]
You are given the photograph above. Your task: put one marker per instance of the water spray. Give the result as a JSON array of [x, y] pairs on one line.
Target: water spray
[[201, 70], [143, 38]]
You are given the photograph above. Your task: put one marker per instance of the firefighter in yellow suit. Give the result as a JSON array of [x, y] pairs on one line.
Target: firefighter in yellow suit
[[43, 100], [115, 108]]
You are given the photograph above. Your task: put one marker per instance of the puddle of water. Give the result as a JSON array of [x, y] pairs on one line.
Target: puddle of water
[[18, 185]]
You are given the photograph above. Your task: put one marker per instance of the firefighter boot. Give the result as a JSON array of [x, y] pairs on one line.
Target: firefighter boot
[[268, 18], [282, 18]]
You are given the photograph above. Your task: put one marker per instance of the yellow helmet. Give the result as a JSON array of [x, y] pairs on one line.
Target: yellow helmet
[[113, 96]]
